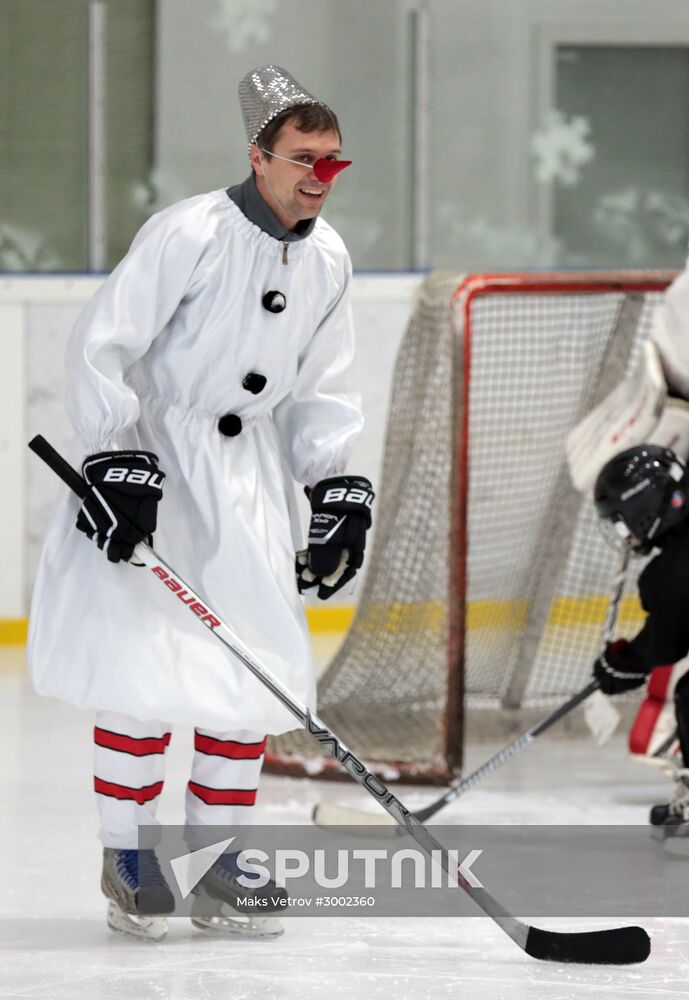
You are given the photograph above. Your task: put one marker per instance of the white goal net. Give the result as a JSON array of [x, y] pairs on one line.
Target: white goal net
[[488, 580]]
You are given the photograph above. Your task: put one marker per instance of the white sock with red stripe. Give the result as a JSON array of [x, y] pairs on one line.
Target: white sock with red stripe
[[129, 769], [224, 778]]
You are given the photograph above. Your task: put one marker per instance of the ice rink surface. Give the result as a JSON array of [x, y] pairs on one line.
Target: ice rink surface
[[54, 942]]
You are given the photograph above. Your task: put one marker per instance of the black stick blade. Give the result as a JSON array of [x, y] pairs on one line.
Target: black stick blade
[[618, 946]]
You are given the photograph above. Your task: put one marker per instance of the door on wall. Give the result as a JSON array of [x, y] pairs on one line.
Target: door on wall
[[629, 205]]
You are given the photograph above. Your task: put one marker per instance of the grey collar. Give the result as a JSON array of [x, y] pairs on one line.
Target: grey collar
[[249, 200]]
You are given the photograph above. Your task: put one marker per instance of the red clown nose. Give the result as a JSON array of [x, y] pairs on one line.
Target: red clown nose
[[325, 170]]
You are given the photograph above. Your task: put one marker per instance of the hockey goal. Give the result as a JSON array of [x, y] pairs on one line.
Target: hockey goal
[[487, 581]]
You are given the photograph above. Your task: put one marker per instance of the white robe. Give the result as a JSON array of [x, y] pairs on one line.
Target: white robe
[[156, 358]]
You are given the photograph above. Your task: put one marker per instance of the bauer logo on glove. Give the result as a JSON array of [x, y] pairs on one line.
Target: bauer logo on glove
[[340, 518], [120, 507], [338, 494]]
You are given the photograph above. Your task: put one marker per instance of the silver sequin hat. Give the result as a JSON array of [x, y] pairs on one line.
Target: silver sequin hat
[[267, 91]]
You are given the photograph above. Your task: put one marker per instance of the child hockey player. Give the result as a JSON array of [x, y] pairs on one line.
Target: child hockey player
[[641, 497]]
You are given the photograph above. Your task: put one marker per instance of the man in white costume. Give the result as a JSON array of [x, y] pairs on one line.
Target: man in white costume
[[215, 357]]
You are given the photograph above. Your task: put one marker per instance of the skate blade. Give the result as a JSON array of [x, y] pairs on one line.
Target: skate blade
[[248, 927], [133, 925]]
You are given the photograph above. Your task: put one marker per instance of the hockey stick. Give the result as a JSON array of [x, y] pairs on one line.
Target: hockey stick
[[332, 814], [666, 744], [616, 946]]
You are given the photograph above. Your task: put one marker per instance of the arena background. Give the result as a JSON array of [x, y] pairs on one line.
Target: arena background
[[486, 136], [506, 135]]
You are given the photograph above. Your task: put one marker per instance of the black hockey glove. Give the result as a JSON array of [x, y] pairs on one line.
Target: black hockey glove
[[340, 518], [120, 507], [618, 669]]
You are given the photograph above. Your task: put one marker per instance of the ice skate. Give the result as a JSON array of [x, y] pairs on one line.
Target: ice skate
[[670, 821], [217, 908], [671, 811], [139, 897]]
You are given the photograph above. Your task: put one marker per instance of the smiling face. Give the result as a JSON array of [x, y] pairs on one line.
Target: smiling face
[[292, 191]]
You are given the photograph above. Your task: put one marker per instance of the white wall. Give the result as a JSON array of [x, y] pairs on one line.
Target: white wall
[[36, 316]]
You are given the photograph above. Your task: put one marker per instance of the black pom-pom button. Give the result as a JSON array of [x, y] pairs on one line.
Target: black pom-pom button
[[254, 382], [230, 425], [274, 302]]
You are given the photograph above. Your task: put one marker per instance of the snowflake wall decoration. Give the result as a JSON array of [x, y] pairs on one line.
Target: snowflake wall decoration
[[26, 250], [244, 23], [561, 148]]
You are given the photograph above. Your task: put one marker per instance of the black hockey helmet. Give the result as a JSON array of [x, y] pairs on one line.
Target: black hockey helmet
[[642, 493]]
